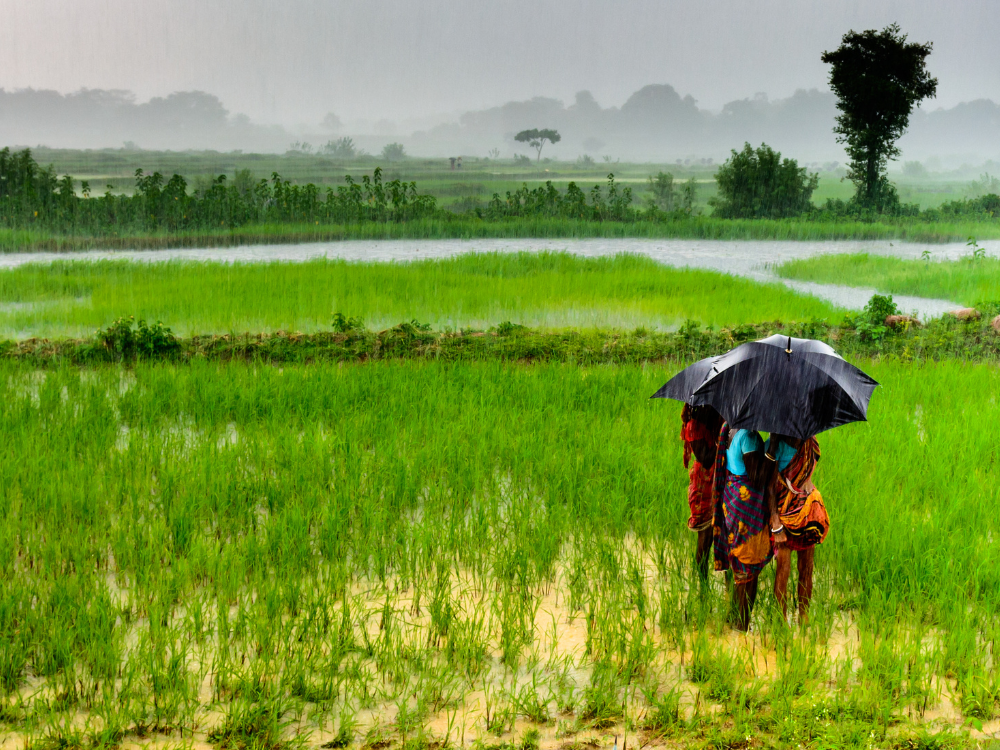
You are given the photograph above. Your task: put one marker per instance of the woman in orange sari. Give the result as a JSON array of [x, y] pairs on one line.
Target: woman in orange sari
[[700, 434], [799, 520]]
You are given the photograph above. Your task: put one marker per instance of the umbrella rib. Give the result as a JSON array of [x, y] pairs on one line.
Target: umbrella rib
[[835, 379], [750, 393]]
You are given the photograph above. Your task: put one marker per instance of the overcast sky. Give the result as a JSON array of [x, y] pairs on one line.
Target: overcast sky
[[291, 61]]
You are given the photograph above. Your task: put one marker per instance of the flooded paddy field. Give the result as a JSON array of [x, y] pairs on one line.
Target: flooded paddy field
[[753, 259], [452, 283], [419, 554], [423, 554]]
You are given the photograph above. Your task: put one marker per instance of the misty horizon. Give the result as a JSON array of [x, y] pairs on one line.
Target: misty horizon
[[656, 123], [640, 80], [291, 63]]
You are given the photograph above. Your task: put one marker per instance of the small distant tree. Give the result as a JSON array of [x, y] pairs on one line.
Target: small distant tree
[[537, 138], [760, 184], [342, 148], [689, 196], [985, 185], [393, 152], [244, 182], [662, 187], [331, 122], [878, 78]]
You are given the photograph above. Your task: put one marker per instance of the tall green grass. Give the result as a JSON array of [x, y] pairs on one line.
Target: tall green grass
[[459, 227], [968, 280], [475, 290], [410, 552]]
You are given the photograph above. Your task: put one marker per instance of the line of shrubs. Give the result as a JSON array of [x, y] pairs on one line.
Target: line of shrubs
[[877, 331], [752, 183]]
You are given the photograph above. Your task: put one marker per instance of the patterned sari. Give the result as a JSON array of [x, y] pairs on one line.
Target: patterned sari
[[741, 538], [802, 512], [700, 487]]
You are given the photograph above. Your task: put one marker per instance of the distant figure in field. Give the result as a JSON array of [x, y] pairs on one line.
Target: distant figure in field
[[799, 519], [452, 160], [700, 433], [742, 539], [459, 164]]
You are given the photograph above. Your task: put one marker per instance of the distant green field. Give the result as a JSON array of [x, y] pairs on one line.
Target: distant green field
[[969, 281], [477, 180], [546, 290]]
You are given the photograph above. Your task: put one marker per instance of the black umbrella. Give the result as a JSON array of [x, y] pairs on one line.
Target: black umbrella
[[795, 387], [682, 386]]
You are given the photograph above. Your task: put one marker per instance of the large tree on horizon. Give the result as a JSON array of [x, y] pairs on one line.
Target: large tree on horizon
[[878, 78]]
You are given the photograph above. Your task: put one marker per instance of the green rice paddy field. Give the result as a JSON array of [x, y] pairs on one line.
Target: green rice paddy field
[[419, 554], [970, 280], [458, 227], [472, 291]]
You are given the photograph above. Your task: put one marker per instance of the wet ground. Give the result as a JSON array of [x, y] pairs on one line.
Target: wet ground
[[754, 259]]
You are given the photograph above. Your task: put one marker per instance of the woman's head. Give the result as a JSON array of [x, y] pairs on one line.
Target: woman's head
[[707, 416], [795, 442]]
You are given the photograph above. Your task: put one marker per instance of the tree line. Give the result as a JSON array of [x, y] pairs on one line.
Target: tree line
[[34, 196], [753, 183]]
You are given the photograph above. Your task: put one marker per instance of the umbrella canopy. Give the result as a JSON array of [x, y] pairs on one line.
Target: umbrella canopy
[[682, 386], [795, 387]]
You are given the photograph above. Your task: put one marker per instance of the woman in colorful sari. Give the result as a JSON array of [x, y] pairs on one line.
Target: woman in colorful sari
[[799, 520], [741, 533], [700, 434]]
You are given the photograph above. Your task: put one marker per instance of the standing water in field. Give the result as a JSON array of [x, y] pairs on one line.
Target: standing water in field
[[753, 259]]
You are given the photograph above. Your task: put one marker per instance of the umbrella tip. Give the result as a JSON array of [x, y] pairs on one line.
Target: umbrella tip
[[789, 349]]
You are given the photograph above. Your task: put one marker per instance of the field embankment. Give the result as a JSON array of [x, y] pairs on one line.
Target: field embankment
[[129, 341]]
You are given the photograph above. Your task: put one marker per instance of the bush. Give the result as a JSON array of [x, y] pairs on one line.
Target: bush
[[143, 340], [342, 148], [343, 324], [870, 325], [760, 184], [393, 152], [547, 201], [880, 307], [662, 188]]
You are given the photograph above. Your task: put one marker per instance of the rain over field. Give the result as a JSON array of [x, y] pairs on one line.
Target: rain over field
[[328, 337]]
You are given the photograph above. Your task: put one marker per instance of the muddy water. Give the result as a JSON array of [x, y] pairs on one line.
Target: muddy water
[[752, 258]]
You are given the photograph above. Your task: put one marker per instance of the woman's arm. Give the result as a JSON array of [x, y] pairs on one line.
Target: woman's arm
[[761, 469], [807, 483], [777, 529]]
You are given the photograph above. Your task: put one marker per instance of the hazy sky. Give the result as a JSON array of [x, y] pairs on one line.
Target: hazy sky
[[291, 61]]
